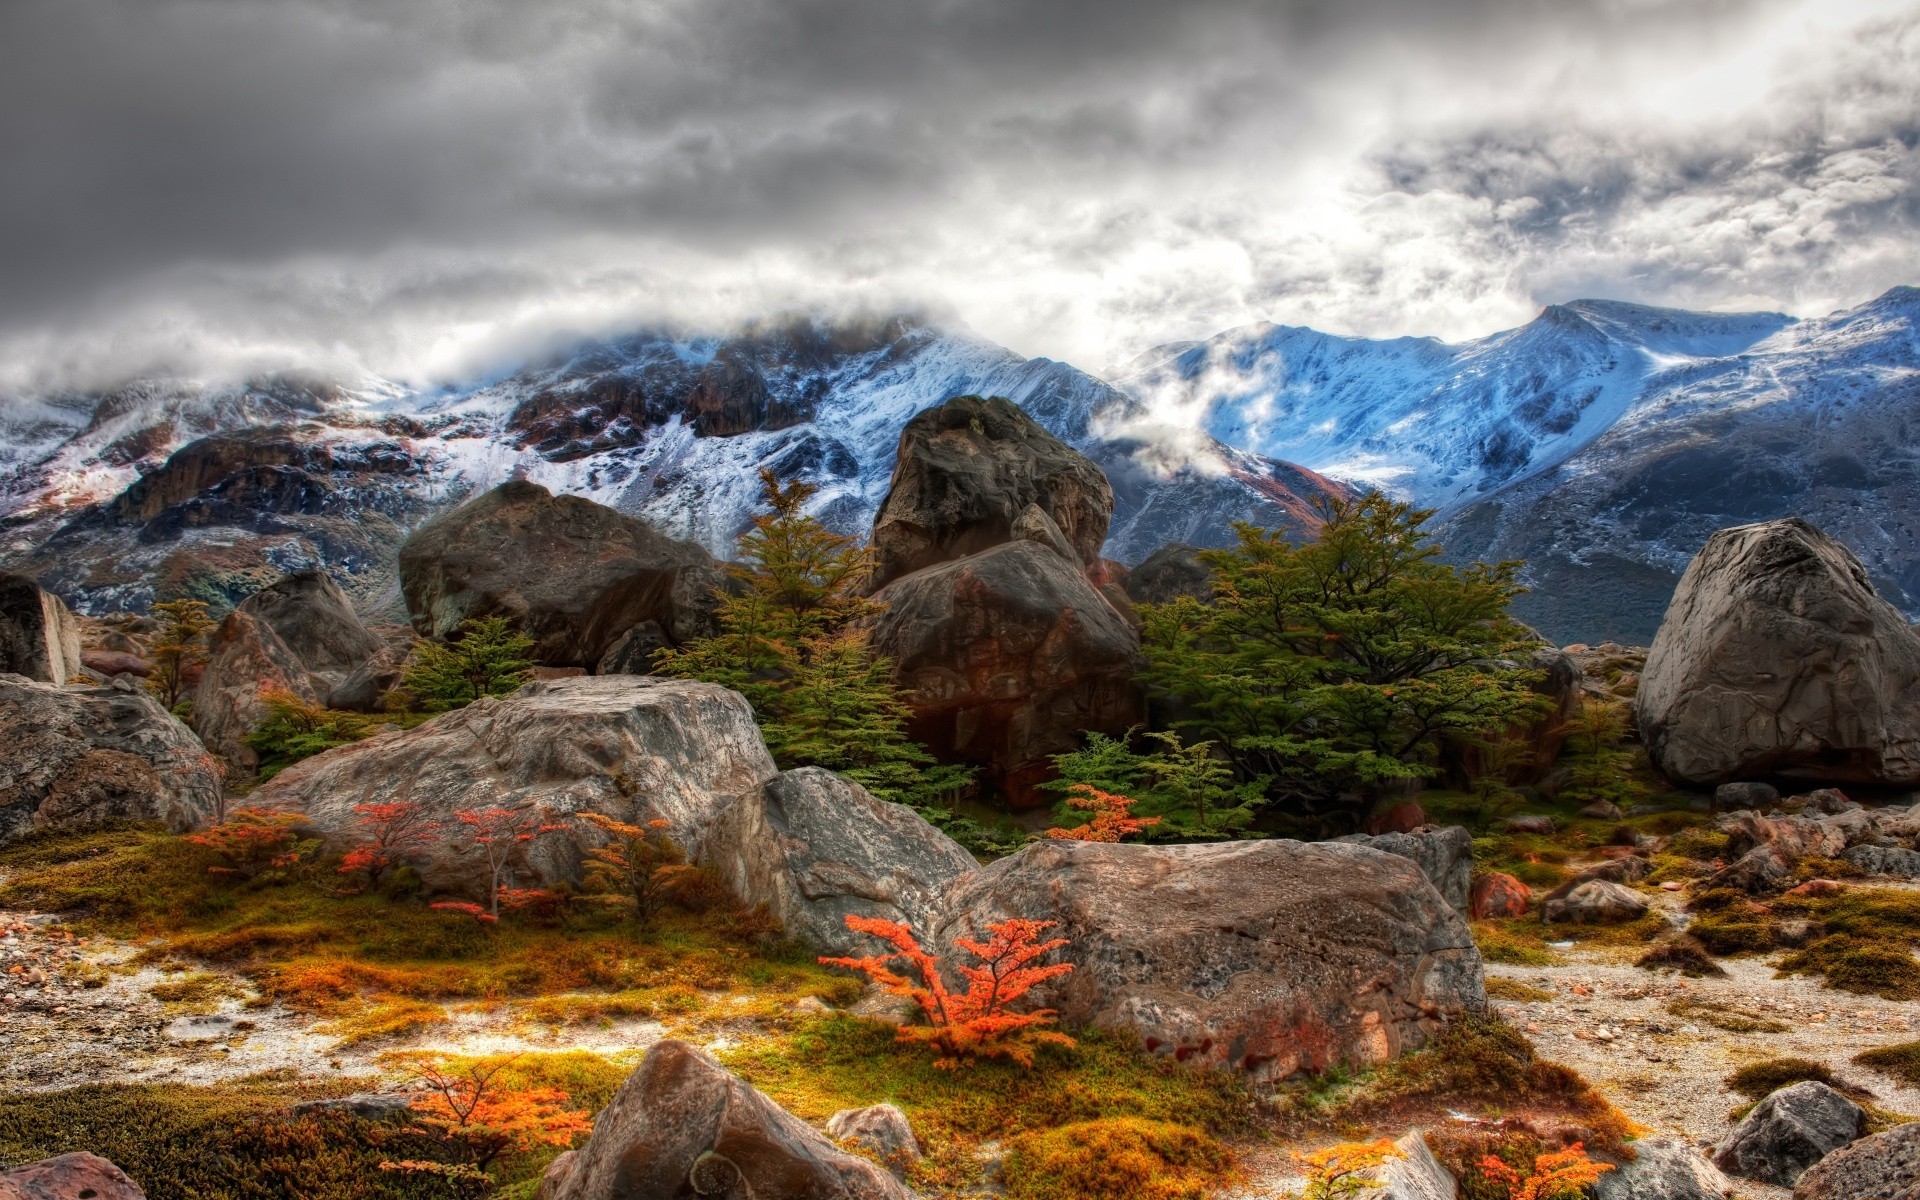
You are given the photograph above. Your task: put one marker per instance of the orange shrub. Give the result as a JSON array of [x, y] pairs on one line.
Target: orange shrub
[[1344, 1170], [1560, 1175], [1113, 818]]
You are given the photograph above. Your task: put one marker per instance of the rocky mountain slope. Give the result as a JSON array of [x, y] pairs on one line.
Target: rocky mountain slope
[[1602, 442], [164, 486]]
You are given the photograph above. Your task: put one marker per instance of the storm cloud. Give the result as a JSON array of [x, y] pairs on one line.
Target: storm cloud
[[423, 188]]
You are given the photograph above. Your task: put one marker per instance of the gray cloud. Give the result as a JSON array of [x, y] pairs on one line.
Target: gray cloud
[[419, 187]]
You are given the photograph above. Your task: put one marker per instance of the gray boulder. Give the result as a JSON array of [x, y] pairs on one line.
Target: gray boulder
[[883, 1131], [1776, 655], [1761, 871], [1757, 796], [1664, 1168], [1885, 860], [1445, 857], [572, 574], [1006, 658], [631, 747], [1885, 1166], [815, 848], [39, 635], [1794, 837], [967, 473], [1592, 901], [1269, 957], [79, 1176], [1415, 1175], [633, 653], [298, 635], [1789, 1131], [83, 756], [683, 1126]]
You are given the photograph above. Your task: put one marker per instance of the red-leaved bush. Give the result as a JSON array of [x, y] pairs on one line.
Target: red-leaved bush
[[501, 835], [1559, 1175], [251, 841], [1113, 818], [975, 1024], [392, 834]]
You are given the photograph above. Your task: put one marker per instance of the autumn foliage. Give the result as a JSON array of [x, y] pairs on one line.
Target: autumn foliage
[[1558, 1175], [639, 864], [250, 842], [501, 835], [1344, 1170], [393, 833], [1112, 821], [476, 1121], [975, 1024]]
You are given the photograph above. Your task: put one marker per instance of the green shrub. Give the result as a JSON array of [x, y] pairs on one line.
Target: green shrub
[[294, 729], [487, 658]]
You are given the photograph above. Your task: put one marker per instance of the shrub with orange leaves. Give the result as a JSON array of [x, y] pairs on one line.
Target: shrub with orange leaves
[[639, 865], [476, 1121], [251, 842], [976, 1023], [1559, 1175], [1113, 818], [1344, 1170], [501, 835], [392, 833]]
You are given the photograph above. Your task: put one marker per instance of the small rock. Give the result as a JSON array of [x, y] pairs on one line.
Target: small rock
[[1530, 823], [1497, 895], [1415, 1175], [1592, 901], [882, 1129], [1602, 810], [1730, 796], [1789, 1131], [1884, 860], [368, 1106]]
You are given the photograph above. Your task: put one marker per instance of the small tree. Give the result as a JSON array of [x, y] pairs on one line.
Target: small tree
[[977, 1023], [1597, 765], [488, 658], [1113, 818], [294, 729], [639, 864], [1190, 791], [178, 648], [252, 842], [1558, 1175], [1346, 1170], [476, 1121], [501, 836], [391, 833]]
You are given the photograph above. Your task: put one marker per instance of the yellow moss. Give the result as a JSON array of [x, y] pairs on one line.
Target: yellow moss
[[1516, 943], [1499, 987], [1122, 1158], [200, 992], [384, 1020]]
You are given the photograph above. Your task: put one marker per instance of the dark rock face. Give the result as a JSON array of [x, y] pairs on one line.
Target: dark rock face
[[683, 1126], [39, 637], [1005, 657], [1885, 1166], [1169, 573], [967, 472], [1777, 656], [630, 747], [79, 757], [1444, 856], [79, 1176], [574, 575], [815, 848], [298, 635], [1268, 957], [1789, 1131]]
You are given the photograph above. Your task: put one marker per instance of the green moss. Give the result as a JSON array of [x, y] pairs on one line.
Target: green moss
[[1854, 964], [1515, 943], [1501, 988], [1730, 1017], [1733, 931], [1682, 954], [1120, 1158], [1902, 1061], [1757, 1080]]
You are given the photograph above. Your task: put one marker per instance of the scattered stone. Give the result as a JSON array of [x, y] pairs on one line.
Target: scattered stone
[[635, 748], [79, 1176], [815, 848], [881, 1129], [367, 1106], [1498, 896], [1789, 1131], [1629, 868], [1794, 837], [1269, 957], [1444, 856], [1885, 1166], [79, 757], [39, 635], [1404, 817], [113, 662], [1761, 871], [1831, 801], [1884, 860], [1664, 1168], [1592, 901], [1530, 823], [1602, 810], [968, 472], [1777, 654], [683, 1125]]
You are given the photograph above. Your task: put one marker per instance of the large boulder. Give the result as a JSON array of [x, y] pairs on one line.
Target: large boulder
[[572, 574], [1664, 1168], [1776, 656], [1270, 957], [80, 1176], [298, 635], [1444, 856], [39, 635], [974, 473], [1172, 571], [1795, 837], [1789, 1131], [84, 756], [631, 747], [682, 1126], [1005, 658], [815, 848], [1885, 1166]]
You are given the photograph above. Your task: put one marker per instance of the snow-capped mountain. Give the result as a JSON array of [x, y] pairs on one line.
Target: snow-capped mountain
[[1602, 442], [178, 486]]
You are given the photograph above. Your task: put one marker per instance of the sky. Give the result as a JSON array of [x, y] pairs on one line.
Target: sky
[[430, 189]]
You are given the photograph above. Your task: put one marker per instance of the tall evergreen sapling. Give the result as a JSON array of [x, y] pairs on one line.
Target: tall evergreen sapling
[[488, 658], [1339, 666], [180, 647]]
